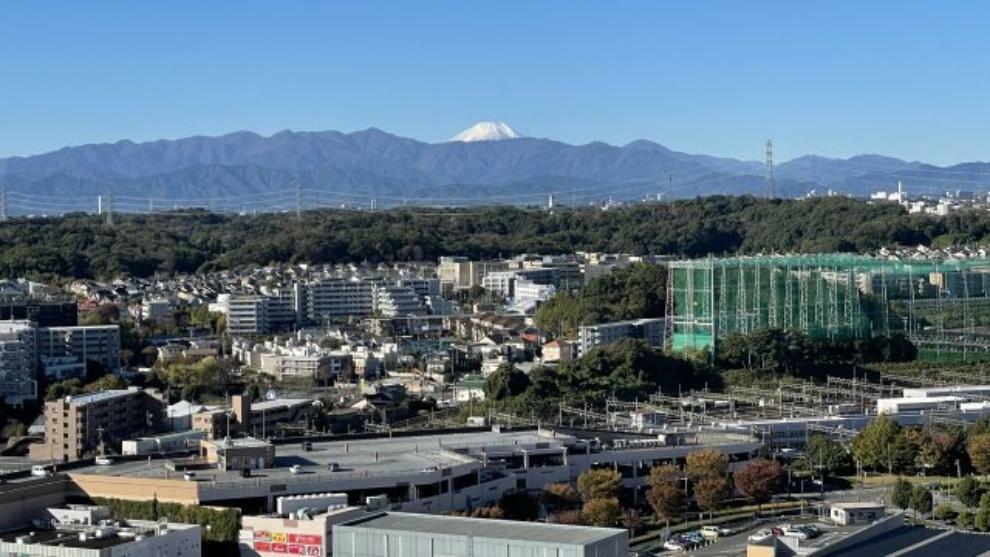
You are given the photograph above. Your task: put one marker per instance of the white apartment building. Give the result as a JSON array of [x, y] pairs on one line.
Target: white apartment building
[[17, 380], [397, 301], [99, 343], [650, 330], [254, 315], [324, 299]]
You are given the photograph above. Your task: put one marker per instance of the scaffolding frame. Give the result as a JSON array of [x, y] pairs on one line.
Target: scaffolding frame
[[834, 296]]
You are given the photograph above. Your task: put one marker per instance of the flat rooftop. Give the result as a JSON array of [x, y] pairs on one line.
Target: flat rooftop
[[384, 456], [99, 397], [487, 528]]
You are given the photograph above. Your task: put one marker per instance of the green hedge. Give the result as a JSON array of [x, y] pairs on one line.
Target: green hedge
[[220, 525]]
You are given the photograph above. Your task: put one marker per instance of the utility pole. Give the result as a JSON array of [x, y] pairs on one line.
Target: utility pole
[[771, 192]]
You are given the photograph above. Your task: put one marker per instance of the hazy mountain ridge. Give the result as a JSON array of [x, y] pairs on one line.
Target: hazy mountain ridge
[[375, 163]]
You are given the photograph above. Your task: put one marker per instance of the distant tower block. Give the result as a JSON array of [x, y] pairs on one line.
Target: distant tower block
[[771, 187], [550, 202]]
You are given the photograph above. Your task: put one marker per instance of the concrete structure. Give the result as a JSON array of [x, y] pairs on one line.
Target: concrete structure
[[17, 377], [257, 315], [99, 343], [83, 424], [459, 272], [650, 330], [559, 351], [421, 473], [276, 536], [418, 535], [88, 532], [905, 404], [155, 309], [848, 513], [397, 301], [168, 443], [323, 300], [245, 453]]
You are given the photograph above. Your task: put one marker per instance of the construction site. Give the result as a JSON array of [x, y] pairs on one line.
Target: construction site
[[942, 305]]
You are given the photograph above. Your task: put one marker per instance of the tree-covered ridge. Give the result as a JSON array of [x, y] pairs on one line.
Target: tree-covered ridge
[[83, 246]]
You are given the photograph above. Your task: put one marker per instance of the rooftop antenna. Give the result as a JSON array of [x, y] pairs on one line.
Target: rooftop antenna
[[771, 188]]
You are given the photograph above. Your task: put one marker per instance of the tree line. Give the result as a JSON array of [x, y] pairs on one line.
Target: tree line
[[79, 245]]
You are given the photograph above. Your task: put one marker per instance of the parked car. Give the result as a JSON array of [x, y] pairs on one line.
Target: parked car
[[295, 469], [712, 532], [810, 529], [40, 471], [759, 536], [103, 461], [787, 530], [673, 544]]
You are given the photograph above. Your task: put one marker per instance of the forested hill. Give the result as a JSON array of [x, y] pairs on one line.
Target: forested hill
[[83, 246]]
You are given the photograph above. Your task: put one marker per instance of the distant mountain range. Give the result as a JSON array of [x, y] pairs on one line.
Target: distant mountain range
[[249, 171]]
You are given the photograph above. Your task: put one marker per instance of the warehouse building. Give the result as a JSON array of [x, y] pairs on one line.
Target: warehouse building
[[418, 535]]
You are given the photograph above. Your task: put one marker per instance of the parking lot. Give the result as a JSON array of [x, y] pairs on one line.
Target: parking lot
[[735, 544]]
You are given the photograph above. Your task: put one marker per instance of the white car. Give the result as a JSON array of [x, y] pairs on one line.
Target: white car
[[789, 530], [40, 471], [295, 469], [103, 461], [673, 545], [759, 536]]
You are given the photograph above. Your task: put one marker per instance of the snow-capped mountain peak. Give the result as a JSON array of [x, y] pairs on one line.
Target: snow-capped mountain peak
[[487, 131]]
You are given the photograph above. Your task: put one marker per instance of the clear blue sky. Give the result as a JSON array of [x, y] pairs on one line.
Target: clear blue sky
[[909, 79]]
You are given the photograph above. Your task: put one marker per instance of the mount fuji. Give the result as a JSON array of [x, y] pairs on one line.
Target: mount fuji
[[487, 131]]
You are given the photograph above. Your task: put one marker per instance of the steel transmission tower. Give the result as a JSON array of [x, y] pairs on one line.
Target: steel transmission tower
[[771, 188]]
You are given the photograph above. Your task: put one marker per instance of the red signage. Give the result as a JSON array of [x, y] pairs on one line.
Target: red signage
[[291, 544], [306, 539]]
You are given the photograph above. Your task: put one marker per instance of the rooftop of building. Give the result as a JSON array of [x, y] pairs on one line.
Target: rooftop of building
[[70, 536], [90, 398], [385, 456], [278, 403], [488, 528]]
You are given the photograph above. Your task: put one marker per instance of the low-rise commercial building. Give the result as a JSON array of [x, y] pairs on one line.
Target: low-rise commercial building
[[847, 513], [84, 531], [419, 535]]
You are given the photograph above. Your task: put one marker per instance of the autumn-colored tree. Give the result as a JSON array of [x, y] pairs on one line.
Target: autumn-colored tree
[[632, 521], [601, 511], [566, 517], [979, 452], [599, 484], [706, 464], [559, 497], [665, 494], [710, 493], [759, 479]]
